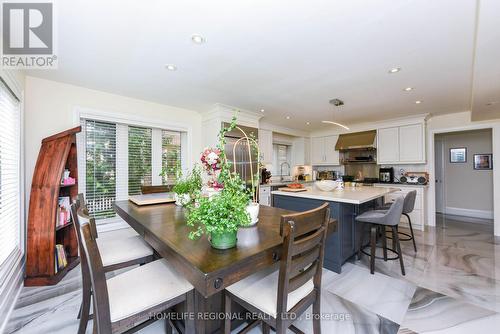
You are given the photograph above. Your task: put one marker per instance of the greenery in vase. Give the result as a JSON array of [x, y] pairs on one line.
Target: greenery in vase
[[226, 211], [191, 184]]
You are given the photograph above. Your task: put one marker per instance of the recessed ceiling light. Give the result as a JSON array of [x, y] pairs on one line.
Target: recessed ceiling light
[[418, 102], [492, 103], [395, 70], [198, 39], [262, 110], [408, 89], [308, 123], [288, 117], [171, 67]]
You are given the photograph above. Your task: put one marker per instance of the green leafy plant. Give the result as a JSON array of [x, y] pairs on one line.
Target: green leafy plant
[[191, 184], [226, 211]]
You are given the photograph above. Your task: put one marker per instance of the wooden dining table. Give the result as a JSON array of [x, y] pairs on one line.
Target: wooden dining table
[[210, 271]]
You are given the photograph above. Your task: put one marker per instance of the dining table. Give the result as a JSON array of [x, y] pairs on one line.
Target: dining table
[[164, 227]]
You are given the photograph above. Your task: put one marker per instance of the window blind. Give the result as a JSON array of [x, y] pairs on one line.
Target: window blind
[[10, 165], [139, 159], [100, 167], [171, 155]]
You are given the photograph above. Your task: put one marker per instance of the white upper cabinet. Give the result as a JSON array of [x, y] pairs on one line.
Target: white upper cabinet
[[323, 151], [411, 143], [401, 144], [266, 146], [388, 145], [300, 151]]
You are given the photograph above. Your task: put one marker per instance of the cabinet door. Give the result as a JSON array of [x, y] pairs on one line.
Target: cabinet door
[[388, 145], [266, 146], [331, 155], [411, 139], [317, 150]]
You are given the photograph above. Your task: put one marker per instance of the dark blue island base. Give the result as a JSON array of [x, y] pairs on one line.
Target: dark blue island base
[[343, 244]]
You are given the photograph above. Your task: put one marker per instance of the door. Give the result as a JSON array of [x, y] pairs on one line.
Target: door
[[317, 150], [411, 148], [388, 145], [439, 158], [331, 155]]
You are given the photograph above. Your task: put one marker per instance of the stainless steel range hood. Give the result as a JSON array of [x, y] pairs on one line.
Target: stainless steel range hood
[[357, 141]]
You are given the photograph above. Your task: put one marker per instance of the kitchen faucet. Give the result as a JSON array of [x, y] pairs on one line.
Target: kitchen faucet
[[281, 169]]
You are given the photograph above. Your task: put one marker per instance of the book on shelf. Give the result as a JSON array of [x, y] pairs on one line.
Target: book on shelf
[[63, 211], [61, 260]]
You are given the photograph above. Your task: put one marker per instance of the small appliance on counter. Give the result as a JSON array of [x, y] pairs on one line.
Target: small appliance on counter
[[327, 175], [420, 178], [386, 175]]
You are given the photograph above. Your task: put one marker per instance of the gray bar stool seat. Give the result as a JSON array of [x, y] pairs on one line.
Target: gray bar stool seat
[[408, 206], [380, 219]]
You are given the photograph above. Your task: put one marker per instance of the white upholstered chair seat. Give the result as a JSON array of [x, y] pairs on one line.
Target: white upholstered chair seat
[[261, 291], [144, 287], [120, 250]]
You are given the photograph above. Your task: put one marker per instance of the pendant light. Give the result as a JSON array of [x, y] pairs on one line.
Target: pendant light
[[336, 103]]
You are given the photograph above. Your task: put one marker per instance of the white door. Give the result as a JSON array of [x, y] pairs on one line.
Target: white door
[[439, 156], [411, 148], [388, 145], [332, 156], [317, 150]]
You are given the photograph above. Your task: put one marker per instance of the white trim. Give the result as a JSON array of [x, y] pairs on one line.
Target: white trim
[[484, 214], [431, 200]]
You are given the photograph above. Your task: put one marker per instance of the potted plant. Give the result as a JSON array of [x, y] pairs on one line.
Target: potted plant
[[186, 188], [221, 216]]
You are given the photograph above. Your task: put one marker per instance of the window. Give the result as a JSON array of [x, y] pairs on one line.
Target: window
[[10, 166], [281, 154], [120, 158], [100, 153], [139, 159]]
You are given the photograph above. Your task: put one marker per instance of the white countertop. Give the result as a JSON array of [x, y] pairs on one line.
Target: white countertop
[[351, 195], [397, 185]]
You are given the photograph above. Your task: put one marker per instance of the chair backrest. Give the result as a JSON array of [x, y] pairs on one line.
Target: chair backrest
[[156, 189], [409, 204], [303, 252], [91, 261], [393, 215], [83, 209]]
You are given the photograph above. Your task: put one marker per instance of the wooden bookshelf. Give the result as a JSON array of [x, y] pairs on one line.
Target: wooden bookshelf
[[57, 153]]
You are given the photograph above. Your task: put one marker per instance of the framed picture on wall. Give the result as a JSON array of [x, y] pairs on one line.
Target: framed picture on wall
[[483, 161], [458, 155]]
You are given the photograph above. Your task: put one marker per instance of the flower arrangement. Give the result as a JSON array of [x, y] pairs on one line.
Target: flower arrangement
[[220, 216], [187, 187]]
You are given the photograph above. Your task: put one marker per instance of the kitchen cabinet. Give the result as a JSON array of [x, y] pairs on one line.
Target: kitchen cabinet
[[265, 195], [266, 146], [323, 151], [300, 152], [401, 144]]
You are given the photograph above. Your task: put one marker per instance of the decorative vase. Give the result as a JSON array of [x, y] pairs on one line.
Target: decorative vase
[[223, 240], [253, 211], [182, 199]]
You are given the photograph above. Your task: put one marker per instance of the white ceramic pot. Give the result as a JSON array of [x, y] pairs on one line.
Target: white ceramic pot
[[253, 211], [182, 199]]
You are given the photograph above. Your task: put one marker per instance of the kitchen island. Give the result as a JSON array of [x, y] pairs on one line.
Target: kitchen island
[[345, 205]]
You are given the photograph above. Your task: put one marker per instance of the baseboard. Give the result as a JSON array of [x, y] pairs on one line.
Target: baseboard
[[9, 291], [483, 214]]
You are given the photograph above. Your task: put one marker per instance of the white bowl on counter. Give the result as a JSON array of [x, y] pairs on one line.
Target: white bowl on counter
[[326, 185]]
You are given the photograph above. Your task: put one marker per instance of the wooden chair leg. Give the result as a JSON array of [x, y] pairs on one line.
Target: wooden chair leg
[[227, 312], [317, 314], [190, 321], [411, 231], [266, 329], [384, 242], [373, 244], [84, 308], [395, 239], [168, 326]]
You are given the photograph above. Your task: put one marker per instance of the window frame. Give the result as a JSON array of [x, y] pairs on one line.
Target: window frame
[[123, 121]]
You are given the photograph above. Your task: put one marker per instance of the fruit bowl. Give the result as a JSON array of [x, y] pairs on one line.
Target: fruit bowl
[[326, 185]]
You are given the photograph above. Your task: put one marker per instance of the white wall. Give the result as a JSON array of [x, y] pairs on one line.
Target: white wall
[[50, 108], [467, 188]]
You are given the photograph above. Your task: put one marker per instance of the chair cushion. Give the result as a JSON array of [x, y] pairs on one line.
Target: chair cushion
[[373, 216], [120, 250], [261, 291], [144, 287]]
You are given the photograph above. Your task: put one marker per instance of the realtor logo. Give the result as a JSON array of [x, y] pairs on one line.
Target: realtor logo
[[28, 35]]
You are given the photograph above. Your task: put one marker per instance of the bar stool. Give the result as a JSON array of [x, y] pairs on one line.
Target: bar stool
[[380, 219], [408, 206]]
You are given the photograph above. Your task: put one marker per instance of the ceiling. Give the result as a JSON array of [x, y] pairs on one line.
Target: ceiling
[[287, 57]]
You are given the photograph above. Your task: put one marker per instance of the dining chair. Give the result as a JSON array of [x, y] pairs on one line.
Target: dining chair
[[116, 253], [132, 300], [156, 189], [280, 297]]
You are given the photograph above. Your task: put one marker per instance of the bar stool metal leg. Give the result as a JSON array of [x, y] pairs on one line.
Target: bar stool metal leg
[[384, 242], [395, 240], [373, 244], [411, 231]]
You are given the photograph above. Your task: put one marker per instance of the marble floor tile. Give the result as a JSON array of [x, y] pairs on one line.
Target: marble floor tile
[[384, 295], [431, 311]]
